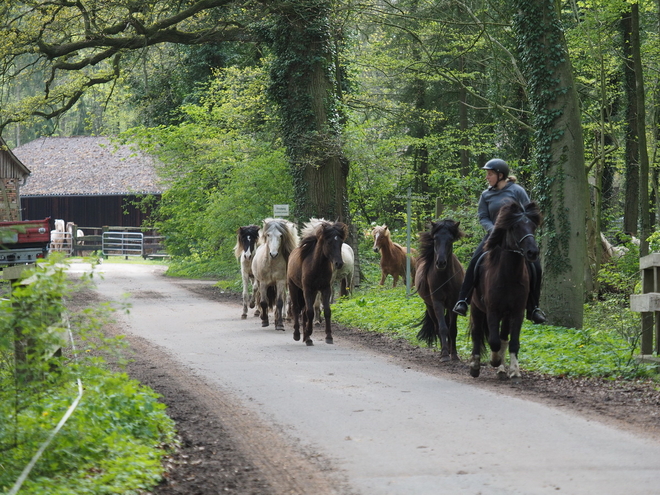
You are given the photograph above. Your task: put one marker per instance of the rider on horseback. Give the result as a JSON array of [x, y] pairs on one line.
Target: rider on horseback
[[502, 189]]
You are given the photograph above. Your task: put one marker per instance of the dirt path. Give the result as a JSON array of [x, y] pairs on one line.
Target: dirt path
[[226, 449]]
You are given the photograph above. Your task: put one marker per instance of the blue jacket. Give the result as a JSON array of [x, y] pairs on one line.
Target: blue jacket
[[493, 199]]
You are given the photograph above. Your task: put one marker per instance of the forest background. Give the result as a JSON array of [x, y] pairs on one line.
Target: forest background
[[339, 107]]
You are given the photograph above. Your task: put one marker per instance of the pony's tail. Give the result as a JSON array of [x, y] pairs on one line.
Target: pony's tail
[[427, 333]]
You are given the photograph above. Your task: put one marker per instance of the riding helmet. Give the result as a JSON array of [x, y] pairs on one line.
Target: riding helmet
[[498, 165]]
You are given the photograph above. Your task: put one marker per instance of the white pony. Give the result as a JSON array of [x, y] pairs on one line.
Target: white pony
[[344, 275], [246, 242], [79, 235], [277, 239], [58, 236]]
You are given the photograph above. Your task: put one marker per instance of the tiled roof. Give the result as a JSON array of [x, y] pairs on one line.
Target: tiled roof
[[84, 165]]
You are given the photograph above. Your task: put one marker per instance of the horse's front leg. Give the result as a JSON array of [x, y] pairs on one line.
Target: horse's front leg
[[501, 356], [494, 341], [246, 294], [255, 297], [317, 308], [450, 320], [442, 329], [279, 306], [327, 312], [514, 348], [308, 321], [263, 302], [478, 327]]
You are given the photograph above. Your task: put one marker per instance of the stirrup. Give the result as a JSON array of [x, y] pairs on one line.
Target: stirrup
[[538, 316], [461, 308]]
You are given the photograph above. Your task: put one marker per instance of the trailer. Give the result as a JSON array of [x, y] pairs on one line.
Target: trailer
[[23, 241]]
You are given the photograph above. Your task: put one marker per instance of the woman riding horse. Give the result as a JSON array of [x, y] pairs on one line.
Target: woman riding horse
[[502, 189]]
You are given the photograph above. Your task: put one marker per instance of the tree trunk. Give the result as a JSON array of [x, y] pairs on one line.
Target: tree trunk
[[304, 87], [644, 209], [563, 191], [631, 204]]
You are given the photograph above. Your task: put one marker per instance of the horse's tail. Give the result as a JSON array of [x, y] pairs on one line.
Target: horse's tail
[[427, 333], [271, 296]]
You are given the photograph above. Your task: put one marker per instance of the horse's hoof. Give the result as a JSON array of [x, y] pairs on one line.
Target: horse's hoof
[[264, 323], [474, 371], [279, 327], [495, 363], [516, 379], [296, 336], [309, 342], [444, 359], [455, 358], [328, 340], [502, 375], [243, 317], [251, 305]]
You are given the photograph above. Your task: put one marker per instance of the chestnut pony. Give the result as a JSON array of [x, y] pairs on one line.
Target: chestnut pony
[[392, 255]]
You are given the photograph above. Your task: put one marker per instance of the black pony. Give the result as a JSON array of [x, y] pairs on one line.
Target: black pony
[[438, 280], [500, 296]]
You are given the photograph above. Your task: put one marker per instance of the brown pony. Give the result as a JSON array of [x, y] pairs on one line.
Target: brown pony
[[309, 271], [438, 281], [500, 296], [392, 256]]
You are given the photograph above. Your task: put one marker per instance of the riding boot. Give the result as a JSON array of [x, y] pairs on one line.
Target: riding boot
[[461, 307]]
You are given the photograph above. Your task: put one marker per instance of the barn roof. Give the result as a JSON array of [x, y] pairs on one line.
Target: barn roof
[[86, 165], [10, 165]]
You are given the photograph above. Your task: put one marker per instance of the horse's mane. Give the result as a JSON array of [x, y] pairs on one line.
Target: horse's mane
[[426, 239], [381, 229], [250, 230], [510, 214], [288, 230], [315, 230]]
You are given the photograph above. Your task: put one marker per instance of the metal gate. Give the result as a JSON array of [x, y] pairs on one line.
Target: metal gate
[[123, 243]]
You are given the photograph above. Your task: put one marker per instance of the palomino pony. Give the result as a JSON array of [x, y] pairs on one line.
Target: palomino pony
[[246, 242], [500, 296], [310, 270], [344, 274], [277, 239], [438, 281], [392, 255], [78, 237]]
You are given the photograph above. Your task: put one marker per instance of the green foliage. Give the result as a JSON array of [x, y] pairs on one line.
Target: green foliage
[[112, 443], [224, 166]]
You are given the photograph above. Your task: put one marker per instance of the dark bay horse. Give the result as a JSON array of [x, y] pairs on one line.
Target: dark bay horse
[[277, 240], [310, 271], [438, 280], [246, 243], [392, 255], [500, 297]]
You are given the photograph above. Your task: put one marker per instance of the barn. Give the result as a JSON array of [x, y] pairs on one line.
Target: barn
[[90, 181], [12, 176]]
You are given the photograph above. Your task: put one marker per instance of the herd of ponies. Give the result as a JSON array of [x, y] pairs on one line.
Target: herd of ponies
[[293, 275]]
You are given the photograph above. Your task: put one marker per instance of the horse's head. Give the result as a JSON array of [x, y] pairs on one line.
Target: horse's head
[[514, 230], [332, 235], [379, 233], [246, 240], [444, 233], [279, 235]]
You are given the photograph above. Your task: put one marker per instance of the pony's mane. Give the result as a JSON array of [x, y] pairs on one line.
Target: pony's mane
[[381, 229], [322, 229], [309, 228], [248, 229], [426, 239], [510, 214], [288, 230]]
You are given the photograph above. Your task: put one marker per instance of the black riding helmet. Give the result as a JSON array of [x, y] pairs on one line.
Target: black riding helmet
[[498, 165]]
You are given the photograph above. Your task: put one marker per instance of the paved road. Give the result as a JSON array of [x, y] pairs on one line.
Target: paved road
[[388, 429]]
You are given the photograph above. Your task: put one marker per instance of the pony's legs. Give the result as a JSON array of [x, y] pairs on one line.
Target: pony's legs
[[279, 306], [246, 294], [317, 308], [450, 320], [501, 357], [478, 331], [514, 369], [383, 276], [308, 317], [295, 296], [438, 316], [494, 340], [514, 347], [327, 312], [255, 297]]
